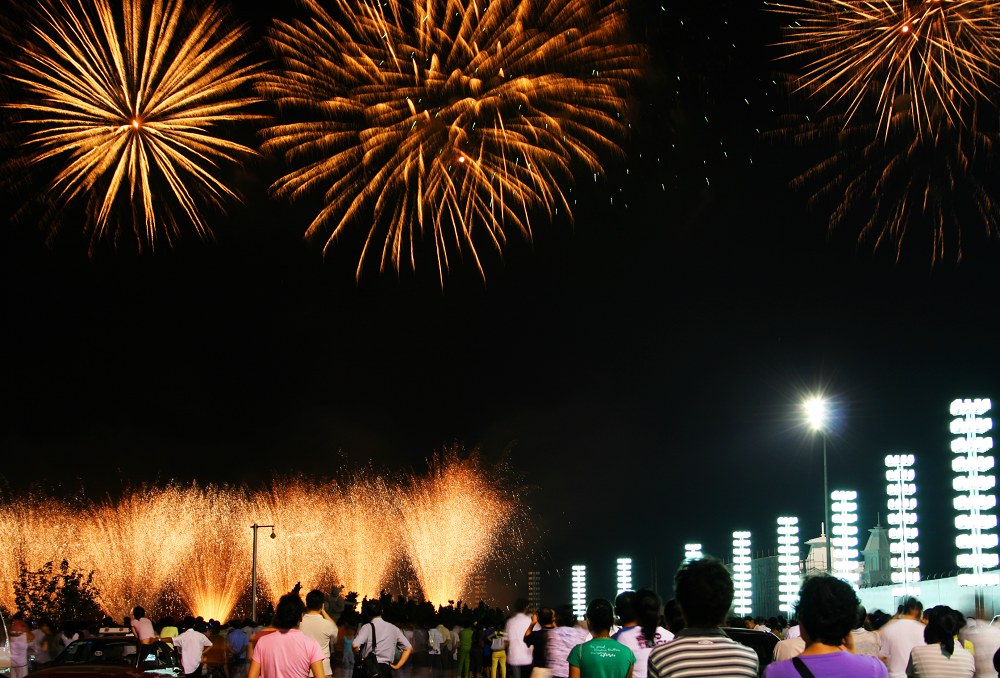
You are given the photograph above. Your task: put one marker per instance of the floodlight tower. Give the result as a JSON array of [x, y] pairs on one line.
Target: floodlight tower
[[579, 596], [692, 551], [743, 594], [817, 415], [624, 573], [899, 474], [788, 563], [976, 499], [845, 535]]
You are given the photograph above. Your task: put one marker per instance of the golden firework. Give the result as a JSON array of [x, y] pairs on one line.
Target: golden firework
[[927, 59], [453, 121], [127, 107]]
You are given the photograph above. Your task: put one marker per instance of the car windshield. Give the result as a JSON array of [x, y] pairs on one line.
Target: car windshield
[[117, 651]]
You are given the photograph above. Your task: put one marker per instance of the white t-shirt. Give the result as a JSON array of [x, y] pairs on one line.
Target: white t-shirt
[[899, 637], [434, 641], [633, 638], [324, 632], [518, 654], [190, 644]]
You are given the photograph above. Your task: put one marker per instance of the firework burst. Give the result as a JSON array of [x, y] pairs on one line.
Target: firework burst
[[448, 120], [125, 107], [930, 59]]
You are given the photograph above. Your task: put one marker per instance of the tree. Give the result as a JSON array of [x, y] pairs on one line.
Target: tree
[[62, 595]]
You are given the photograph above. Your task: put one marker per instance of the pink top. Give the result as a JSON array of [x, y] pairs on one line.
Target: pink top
[[286, 654]]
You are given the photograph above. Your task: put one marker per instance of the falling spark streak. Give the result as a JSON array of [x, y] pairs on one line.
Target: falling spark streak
[[448, 119], [127, 109], [928, 58]]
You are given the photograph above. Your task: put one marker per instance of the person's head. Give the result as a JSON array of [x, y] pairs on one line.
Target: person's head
[[912, 608], [625, 607], [942, 625], [288, 613], [648, 605], [373, 608], [862, 617], [600, 616], [565, 616], [138, 612], [314, 600], [199, 625], [827, 610], [546, 616], [520, 605], [704, 590], [749, 622], [673, 618]]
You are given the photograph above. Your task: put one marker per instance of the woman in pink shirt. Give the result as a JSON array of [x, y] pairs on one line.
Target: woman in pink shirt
[[287, 653]]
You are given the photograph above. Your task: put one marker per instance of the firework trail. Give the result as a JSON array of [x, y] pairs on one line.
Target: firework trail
[[450, 120], [448, 517], [125, 109], [35, 530], [930, 59]]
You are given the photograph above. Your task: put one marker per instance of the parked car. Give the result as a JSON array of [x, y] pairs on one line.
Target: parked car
[[113, 655]]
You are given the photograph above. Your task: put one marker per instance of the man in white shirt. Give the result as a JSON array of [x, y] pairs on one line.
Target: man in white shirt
[[192, 645], [388, 639], [900, 636], [518, 653], [318, 626]]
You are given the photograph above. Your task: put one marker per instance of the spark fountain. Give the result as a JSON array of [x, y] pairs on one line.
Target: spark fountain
[[187, 548]]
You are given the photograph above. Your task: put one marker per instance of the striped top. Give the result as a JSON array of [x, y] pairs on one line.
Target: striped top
[[927, 661], [702, 652]]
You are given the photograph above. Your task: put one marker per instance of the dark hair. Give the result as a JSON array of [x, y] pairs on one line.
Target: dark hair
[[673, 618], [625, 607], [911, 605], [288, 613], [520, 605], [314, 599], [138, 612], [704, 590], [827, 609], [942, 625], [647, 604], [545, 616], [600, 615], [565, 616], [861, 618], [373, 607]]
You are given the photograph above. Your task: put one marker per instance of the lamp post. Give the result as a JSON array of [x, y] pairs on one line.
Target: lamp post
[[816, 412], [253, 570]]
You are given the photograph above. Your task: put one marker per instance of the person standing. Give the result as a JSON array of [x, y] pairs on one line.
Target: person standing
[[602, 657], [192, 644], [900, 636], [643, 633], [387, 639], [827, 611], [562, 639], [286, 653], [941, 656], [317, 625], [704, 590], [464, 652], [237, 643], [518, 653], [142, 627], [498, 653], [20, 639], [435, 645], [537, 640]]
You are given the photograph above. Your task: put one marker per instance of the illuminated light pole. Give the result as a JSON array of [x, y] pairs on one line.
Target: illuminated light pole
[[976, 500], [845, 536], [817, 414], [692, 551], [789, 577], [899, 475], [580, 591], [742, 584], [624, 573], [253, 569]]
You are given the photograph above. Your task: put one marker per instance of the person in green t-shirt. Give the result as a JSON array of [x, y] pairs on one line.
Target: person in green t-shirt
[[601, 657]]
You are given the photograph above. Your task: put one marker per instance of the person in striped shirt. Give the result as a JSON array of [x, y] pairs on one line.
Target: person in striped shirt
[[704, 590]]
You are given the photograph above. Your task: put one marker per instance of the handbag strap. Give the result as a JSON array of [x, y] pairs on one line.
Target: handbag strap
[[801, 667], [374, 641]]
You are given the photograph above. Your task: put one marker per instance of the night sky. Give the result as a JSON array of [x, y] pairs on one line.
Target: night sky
[[642, 369]]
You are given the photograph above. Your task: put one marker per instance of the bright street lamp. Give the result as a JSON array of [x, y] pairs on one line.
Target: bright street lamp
[[253, 570], [817, 414]]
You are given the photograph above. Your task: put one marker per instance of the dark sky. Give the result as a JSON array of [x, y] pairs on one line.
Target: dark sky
[[644, 366]]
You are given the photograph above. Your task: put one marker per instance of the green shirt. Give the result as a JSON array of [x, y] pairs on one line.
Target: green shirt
[[602, 658], [465, 640]]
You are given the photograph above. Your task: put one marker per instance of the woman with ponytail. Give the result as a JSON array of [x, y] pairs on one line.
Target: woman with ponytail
[[942, 657]]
